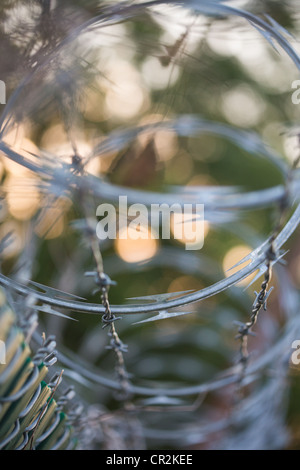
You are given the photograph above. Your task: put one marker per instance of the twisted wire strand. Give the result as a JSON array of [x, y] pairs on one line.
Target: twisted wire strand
[[261, 258]]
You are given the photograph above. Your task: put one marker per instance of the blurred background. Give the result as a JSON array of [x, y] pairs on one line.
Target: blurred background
[[71, 86]]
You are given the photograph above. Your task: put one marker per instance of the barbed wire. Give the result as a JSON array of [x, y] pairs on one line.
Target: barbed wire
[[58, 179]]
